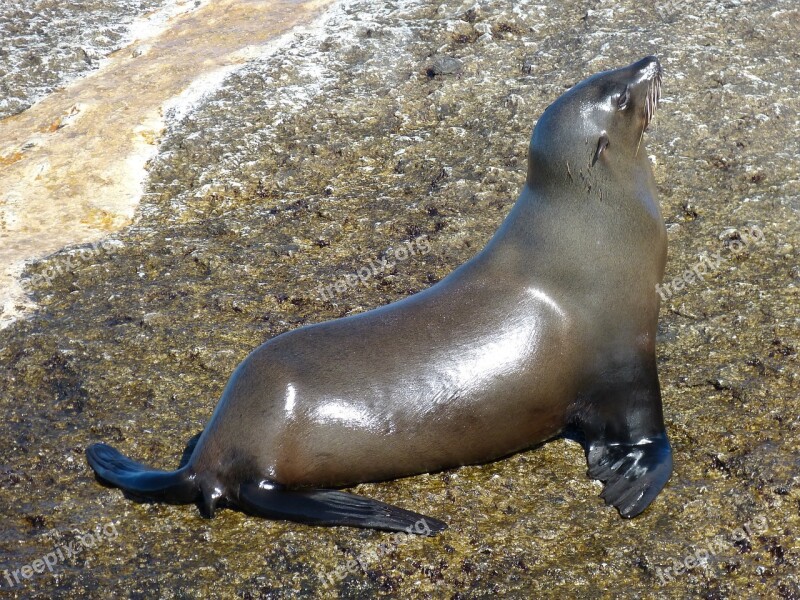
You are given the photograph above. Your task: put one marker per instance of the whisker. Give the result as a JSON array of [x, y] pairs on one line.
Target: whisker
[[650, 104], [651, 99], [639, 143]]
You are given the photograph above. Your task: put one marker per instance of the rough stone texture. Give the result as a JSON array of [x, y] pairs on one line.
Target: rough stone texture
[[46, 42], [311, 163]]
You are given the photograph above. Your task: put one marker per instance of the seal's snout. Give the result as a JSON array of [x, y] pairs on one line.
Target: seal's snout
[[647, 68], [646, 75]]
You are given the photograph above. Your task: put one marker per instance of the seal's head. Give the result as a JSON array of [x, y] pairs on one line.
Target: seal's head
[[600, 120]]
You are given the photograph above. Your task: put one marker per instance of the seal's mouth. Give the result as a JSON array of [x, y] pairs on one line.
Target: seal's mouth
[[653, 96]]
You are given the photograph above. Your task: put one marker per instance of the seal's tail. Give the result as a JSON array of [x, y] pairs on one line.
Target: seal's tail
[[176, 487], [332, 507]]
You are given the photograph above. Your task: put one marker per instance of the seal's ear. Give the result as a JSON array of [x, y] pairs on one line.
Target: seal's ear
[[602, 144]]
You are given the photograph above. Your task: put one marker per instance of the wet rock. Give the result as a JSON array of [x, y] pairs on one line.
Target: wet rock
[[57, 42], [135, 346], [444, 65]]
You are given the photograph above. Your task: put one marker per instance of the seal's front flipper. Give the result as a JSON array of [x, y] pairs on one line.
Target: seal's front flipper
[[331, 507], [634, 473], [624, 437], [139, 480]]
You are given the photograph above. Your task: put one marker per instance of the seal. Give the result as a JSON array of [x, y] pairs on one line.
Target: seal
[[550, 327]]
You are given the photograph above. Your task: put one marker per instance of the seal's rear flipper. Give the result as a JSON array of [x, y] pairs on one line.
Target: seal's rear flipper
[[331, 507], [633, 473], [141, 481], [189, 449]]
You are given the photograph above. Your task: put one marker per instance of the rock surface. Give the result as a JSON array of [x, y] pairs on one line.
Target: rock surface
[[47, 42], [306, 166]]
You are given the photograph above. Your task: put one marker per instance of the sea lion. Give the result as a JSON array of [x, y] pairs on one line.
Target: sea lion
[[551, 325]]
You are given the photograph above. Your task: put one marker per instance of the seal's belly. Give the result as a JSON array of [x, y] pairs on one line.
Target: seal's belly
[[424, 423]]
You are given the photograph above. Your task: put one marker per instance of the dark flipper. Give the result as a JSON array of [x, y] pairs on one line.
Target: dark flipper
[[189, 449], [624, 437], [331, 507], [633, 473], [319, 507], [174, 486]]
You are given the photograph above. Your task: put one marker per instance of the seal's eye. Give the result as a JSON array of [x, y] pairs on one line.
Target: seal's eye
[[623, 99]]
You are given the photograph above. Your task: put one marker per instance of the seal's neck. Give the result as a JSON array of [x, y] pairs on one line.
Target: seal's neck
[[577, 177]]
